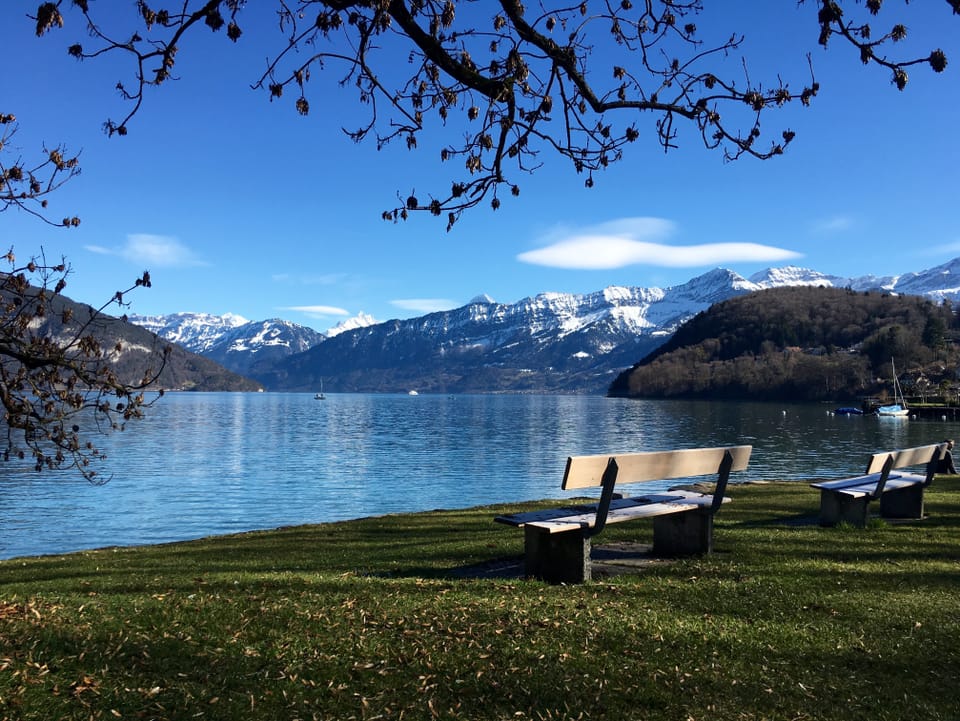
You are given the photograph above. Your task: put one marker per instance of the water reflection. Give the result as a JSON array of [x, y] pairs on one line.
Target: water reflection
[[204, 464]]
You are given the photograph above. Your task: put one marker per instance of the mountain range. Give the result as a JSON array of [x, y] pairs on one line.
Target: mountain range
[[134, 351], [551, 342], [231, 340]]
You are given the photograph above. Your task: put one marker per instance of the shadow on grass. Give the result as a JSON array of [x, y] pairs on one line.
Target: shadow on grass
[[765, 520]]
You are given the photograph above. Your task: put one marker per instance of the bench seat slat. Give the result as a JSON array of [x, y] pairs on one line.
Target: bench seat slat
[[549, 514], [558, 520], [865, 485]]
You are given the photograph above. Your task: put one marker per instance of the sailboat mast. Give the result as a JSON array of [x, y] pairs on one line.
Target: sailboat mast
[[897, 390]]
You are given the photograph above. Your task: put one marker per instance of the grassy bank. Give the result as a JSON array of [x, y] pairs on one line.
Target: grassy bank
[[373, 619]]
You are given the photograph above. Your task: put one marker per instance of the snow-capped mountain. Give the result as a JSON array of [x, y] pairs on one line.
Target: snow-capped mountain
[[937, 284], [940, 283], [549, 342], [231, 340], [196, 332], [792, 275], [260, 344], [361, 320]]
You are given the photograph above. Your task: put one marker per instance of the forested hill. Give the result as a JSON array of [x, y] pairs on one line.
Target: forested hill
[[800, 343]]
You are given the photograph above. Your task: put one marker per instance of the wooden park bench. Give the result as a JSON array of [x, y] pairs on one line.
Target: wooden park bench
[[557, 541], [901, 494]]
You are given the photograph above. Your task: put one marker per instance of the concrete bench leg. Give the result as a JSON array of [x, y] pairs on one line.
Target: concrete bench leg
[[557, 557], [902, 503], [837, 507], [683, 534]]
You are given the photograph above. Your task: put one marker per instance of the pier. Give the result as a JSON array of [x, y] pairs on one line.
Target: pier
[[935, 413]]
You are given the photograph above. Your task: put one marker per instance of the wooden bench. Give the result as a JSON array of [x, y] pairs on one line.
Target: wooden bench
[[901, 494], [557, 541]]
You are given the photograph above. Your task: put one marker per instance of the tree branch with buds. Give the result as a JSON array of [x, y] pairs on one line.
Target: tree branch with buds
[[577, 80]]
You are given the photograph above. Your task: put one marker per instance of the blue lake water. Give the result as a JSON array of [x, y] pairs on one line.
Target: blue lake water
[[207, 464]]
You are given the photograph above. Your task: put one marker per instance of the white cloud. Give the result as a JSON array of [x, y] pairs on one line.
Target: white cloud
[[948, 248], [317, 311], [634, 241], [309, 279], [159, 251], [836, 224], [646, 228], [152, 251], [424, 305]]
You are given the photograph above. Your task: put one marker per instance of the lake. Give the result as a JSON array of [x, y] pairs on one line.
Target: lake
[[206, 464]]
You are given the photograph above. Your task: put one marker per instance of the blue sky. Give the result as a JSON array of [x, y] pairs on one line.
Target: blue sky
[[236, 204]]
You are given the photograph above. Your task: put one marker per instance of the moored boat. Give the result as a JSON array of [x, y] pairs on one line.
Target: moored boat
[[899, 408], [848, 411], [893, 410]]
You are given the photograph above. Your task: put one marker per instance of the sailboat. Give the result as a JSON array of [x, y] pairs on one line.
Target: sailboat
[[319, 396], [899, 408]]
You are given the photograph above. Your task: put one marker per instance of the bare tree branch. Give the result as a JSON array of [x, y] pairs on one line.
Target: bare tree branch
[[517, 81], [59, 385], [26, 187]]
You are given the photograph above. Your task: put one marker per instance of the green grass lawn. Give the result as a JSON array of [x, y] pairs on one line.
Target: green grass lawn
[[372, 619]]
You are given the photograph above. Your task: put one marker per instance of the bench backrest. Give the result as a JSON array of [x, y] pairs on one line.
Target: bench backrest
[[884, 462], [588, 471], [608, 470]]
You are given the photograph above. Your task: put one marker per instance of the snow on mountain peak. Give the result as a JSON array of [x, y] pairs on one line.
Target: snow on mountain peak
[[234, 320], [714, 285], [619, 295], [482, 299], [196, 332], [792, 275], [361, 320]]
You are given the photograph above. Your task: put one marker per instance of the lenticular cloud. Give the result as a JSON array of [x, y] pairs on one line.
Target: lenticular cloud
[[635, 241]]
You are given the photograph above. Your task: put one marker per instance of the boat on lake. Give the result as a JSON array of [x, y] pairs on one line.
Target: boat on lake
[[848, 411], [899, 407], [894, 409]]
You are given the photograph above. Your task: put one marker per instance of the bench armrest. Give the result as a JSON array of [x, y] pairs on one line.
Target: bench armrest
[[884, 474], [607, 483], [722, 477]]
